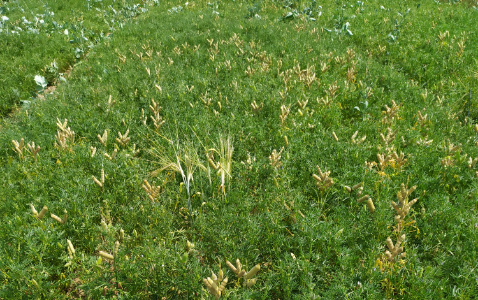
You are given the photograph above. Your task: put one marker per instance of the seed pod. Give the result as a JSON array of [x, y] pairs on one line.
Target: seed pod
[[56, 218], [366, 197], [34, 282], [370, 205], [104, 225], [34, 211], [71, 249], [106, 255], [251, 282], [42, 212], [389, 243], [121, 234], [115, 251], [223, 285], [335, 136], [231, 266], [252, 272]]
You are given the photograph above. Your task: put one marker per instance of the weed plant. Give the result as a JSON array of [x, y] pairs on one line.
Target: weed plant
[[290, 135]]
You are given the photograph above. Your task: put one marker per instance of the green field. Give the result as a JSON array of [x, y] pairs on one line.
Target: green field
[[333, 145]]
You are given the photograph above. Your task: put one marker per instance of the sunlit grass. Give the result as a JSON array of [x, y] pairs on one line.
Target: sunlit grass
[[331, 148]]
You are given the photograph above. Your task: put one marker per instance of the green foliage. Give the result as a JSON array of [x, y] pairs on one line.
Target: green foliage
[[390, 102]]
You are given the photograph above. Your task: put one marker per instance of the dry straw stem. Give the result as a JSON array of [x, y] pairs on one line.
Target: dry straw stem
[[216, 284], [225, 158], [224, 166], [323, 179], [183, 155]]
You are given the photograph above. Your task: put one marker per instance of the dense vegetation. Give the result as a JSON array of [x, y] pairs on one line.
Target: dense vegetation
[[332, 144]]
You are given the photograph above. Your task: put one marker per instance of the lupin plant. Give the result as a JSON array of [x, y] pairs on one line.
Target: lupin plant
[[60, 220], [216, 284], [323, 180], [369, 202], [241, 273], [18, 147], [403, 206], [65, 137], [390, 113], [39, 215], [103, 138], [101, 181], [33, 149], [123, 139], [151, 190], [395, 250], [357, 141]]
